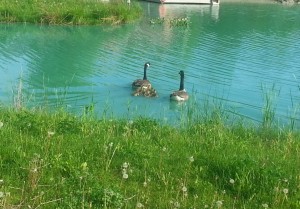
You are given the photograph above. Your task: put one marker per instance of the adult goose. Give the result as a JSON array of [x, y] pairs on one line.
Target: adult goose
[[181, 94], [142, 83]]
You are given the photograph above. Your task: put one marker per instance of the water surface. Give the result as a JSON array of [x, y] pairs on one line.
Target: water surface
[[233, 54]]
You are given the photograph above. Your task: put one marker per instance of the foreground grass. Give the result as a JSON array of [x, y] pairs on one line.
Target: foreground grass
[[71, 12], [62, 161]]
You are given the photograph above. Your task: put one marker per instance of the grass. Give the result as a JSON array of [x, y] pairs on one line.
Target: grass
[[60, 160], [68, 12]]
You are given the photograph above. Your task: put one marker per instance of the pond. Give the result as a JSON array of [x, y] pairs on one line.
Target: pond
[[241, 56]]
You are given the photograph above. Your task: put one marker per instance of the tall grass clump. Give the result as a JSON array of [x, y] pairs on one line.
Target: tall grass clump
[[70, 12], [59, 160]]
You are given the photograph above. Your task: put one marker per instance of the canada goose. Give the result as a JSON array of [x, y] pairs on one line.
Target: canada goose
[[181, 94], [143, 83], [147, 92]]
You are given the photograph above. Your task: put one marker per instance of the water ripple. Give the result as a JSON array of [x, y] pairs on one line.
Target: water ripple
[[235, 58]]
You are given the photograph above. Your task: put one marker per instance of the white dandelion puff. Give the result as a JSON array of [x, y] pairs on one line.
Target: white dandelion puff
[[184, 189], [145, 184], [285, 191], [50, 133], [231, 181], [177, 205], [125, 165], [219, 203], [125, 176], [139, 205], [111, 144], [124, 171]]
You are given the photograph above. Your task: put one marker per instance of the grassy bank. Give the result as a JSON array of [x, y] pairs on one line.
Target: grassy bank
[[71, 12], [62, 161]]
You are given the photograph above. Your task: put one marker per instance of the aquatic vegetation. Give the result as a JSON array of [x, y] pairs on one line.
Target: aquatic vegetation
[[179, 21], [157, 20], [81, 12], [172, 22]]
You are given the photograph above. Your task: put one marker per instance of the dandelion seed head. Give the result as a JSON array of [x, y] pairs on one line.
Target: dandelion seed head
[[50, 133], [139, 205], [191, 159], [125, 165], [111, 144], [145, 184], [231, 181], [219, 203], [125, 176], [184, 189], [176, 204], [124, 171], [285, 191]]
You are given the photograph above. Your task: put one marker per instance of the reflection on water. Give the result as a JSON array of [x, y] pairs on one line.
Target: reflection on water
[[233, 53], [182, 10]]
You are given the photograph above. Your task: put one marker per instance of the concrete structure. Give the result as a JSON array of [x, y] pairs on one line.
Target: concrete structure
[[213, 2]]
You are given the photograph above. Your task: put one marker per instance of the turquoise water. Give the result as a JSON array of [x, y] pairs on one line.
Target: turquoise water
[[233, 54]]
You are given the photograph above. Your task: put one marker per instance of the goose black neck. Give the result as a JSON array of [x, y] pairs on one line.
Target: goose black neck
[[181, 82], [145, 73]]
